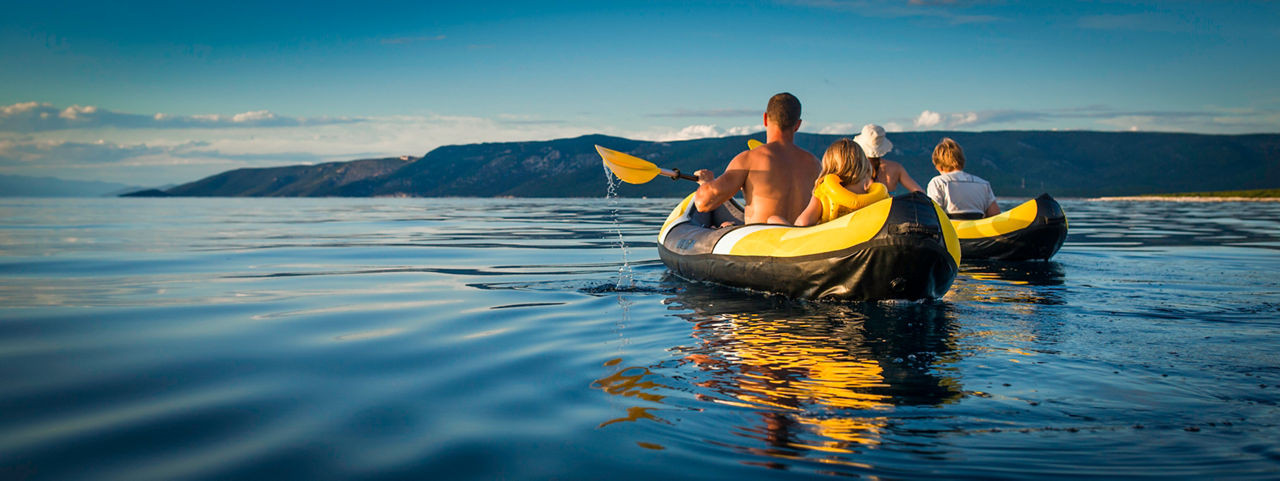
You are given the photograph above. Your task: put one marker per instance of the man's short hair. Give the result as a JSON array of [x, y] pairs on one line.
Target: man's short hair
[[784, 111], [948, 155]]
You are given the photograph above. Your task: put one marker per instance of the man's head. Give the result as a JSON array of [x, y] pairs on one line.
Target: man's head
[[784, 111], [948, 156]]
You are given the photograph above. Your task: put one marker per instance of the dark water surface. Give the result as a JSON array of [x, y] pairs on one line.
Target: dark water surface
[[516, 339]]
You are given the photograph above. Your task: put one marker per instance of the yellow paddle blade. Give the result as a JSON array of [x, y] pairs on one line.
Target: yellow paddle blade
[[631, 169], [753, 143]]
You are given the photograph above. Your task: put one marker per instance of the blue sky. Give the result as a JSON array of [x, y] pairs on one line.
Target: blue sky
[[153, 93]]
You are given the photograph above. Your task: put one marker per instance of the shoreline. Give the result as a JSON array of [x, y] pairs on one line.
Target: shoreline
[[1157, 198]]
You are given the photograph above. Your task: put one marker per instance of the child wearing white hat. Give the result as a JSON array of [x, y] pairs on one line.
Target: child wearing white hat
[[887, 172]]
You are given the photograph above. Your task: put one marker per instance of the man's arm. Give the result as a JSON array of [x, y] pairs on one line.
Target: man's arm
[[713, 191]]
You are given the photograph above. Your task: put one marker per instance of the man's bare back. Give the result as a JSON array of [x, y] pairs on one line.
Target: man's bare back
[[776, 180]]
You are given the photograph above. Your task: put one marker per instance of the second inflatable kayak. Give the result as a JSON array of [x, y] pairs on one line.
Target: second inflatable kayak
[[1034, 229]]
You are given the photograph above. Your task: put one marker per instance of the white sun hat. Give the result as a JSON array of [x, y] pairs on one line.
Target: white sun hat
[[873, 142]]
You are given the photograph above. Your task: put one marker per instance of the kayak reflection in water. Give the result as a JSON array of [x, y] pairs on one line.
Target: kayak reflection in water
[[1019, 286], [821, 378]]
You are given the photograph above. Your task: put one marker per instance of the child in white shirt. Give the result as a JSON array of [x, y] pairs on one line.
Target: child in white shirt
[[961, 195]]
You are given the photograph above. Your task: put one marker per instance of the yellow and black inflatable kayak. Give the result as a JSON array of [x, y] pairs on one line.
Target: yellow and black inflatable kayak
[[898, 248], [1034, 229]]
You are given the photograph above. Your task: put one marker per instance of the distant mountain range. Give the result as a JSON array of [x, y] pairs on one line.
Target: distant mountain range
[[1018, 164], [24, 186]]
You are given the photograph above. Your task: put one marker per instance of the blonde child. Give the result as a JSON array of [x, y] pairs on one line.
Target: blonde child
[[961, 195], [845, 185]]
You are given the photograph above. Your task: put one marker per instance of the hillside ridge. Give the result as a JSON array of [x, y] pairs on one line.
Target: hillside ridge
[[1017, 163]]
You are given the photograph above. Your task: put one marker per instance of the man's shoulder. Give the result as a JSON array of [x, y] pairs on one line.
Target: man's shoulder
[[745, 156], [780, 154], [804, 155]]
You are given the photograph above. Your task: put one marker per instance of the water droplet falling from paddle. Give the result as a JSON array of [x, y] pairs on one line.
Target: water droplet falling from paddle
[[626, 279]]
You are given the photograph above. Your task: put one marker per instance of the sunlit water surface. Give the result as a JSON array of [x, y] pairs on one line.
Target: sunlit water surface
[[540, 339]]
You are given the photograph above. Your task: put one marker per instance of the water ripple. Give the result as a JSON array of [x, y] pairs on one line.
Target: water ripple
[[514, 339]]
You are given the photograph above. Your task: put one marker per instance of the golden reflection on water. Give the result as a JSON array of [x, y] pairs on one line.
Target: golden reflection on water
[[631, 382], [820, 378], [1016, 291], [1021, 286], [824, 381]]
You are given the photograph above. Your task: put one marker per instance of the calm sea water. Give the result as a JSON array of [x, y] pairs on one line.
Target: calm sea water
[[539, 339]]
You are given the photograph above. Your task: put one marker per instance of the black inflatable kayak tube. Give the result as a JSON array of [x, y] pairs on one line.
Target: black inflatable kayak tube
[[1034, 229], [899, 248]]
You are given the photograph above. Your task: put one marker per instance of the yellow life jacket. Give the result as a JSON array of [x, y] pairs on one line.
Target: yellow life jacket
[[837, 200]]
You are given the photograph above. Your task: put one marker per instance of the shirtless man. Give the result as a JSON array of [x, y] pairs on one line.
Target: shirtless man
[[776, 178]]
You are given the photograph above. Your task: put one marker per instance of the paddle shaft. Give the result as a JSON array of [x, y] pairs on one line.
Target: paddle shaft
[[675, 174]]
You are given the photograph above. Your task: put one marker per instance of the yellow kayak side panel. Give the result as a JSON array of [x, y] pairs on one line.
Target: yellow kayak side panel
[[893, 249], [675, 216], [949, 233], [1014, 219], [786, 241]]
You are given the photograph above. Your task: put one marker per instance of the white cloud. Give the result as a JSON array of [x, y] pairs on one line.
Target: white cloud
[[158, 155], [255, 116], [963, 118], [696, 132], [19, 108], [702, 131], [76, 112], [745, 130], [53, 154], [1210, 119], [928, 119], [143, 163], [42, 117], [839, 129]]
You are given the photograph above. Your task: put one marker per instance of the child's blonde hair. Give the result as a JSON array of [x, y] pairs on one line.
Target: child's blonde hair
[[845, 159], [948, 156]]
